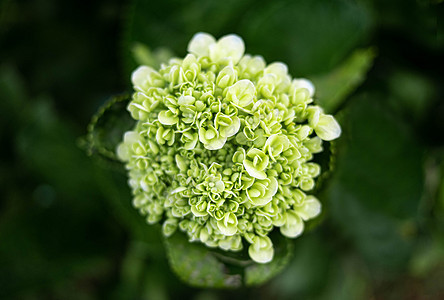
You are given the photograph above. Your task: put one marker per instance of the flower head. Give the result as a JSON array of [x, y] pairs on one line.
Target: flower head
[[223, 146]]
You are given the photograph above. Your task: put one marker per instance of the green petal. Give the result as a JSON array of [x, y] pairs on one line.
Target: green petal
[[202, 133], [272, 187], [242, 93], [215, 144], [123, 152], [252, 171], [226, 77], [191, 144], [198, 212], [277, 68], [267, 188], [181, 163], [232, 129], [314, 145], [228, 224], [166, 117]]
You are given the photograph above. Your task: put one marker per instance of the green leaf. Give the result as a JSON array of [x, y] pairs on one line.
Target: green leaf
[[52, 168], [196, 265], [313, 36], [375, 192], [412, 94], [13, 95], [428, 257], [200, 266], [334, 87], [107, 127]]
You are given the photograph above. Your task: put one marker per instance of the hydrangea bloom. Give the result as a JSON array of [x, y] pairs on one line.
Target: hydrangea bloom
[[223, 146]]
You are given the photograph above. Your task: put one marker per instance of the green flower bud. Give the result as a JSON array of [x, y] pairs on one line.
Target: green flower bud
[[190, 69], [306, 183], [299, 84], [165, 136], [267, 84], [189, 139], [282, 79], [314, 145]]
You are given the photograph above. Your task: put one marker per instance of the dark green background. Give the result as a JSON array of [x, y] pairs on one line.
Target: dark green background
[[67, 229]]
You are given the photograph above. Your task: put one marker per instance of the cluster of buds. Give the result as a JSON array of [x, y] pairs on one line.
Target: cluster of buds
[[223, 147]]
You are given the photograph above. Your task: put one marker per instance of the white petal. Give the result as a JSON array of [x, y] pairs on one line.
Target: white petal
[[242, 92], [294, 226], [262, 256], [200, 43], [123, 152], [225, 244], [305, 83], [216, 144], [140, 75], [230, 46], [261, 251], [327, 128], [178, 190], [227, 230], [311, 207], [277, 68], [252, 171]]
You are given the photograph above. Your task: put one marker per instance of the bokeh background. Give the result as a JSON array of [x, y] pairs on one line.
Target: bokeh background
[[67, 228]]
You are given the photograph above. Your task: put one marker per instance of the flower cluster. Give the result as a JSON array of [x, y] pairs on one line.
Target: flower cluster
[[223, 146]]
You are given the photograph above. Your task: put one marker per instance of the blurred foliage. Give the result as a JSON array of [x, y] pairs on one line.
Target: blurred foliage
[[334, 87], [67, 226]]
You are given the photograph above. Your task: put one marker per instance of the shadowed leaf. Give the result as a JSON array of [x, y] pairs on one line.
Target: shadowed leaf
[[334, 87]]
